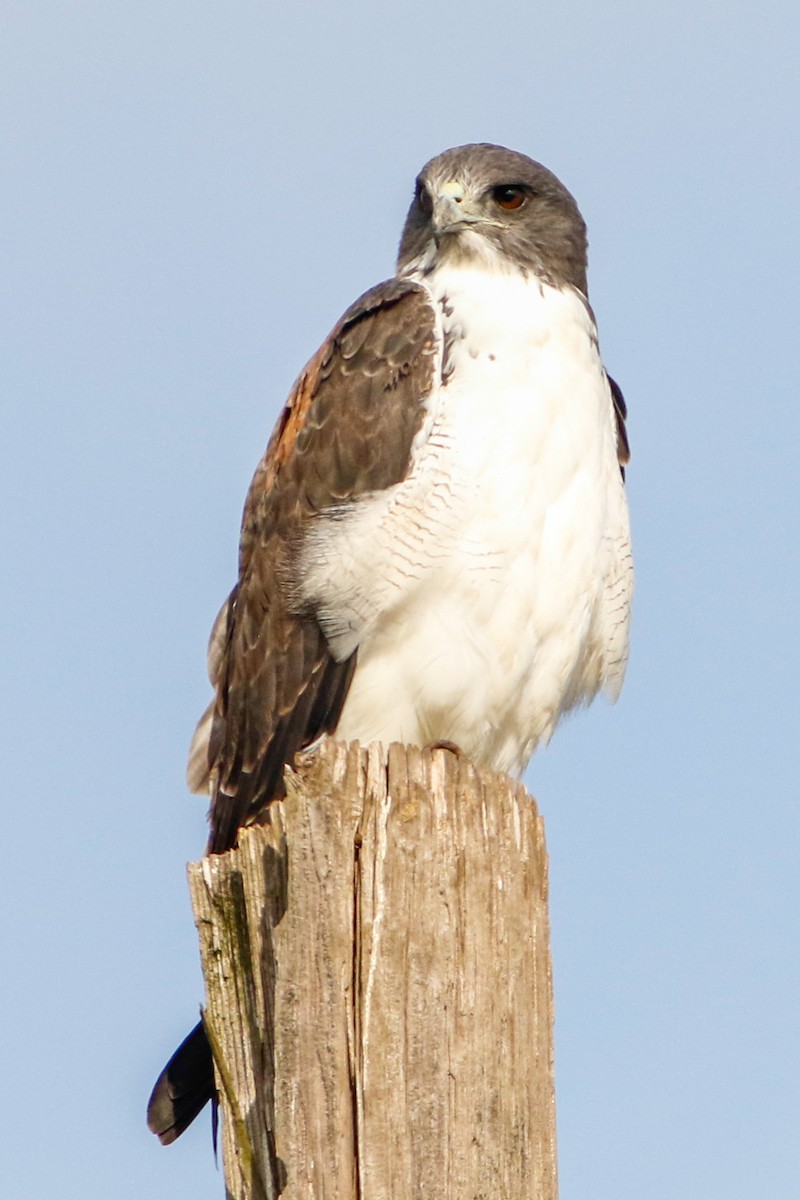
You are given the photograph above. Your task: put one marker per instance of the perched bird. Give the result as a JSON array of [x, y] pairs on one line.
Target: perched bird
[[435, 545]]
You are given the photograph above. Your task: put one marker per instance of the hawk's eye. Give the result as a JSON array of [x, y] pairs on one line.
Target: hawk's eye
[[509, 196], [424, 199]]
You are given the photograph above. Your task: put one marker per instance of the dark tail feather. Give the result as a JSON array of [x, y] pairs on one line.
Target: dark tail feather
[[183, 1088]]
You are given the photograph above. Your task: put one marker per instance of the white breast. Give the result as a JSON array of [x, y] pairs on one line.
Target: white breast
[[489, 592]]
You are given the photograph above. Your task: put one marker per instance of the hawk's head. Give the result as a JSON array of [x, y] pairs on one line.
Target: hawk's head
[[487, 203]]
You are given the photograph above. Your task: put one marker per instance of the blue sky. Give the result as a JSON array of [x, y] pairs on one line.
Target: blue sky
[[192, 194]]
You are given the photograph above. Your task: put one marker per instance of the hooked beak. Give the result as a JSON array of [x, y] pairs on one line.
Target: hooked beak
[[451, 211]]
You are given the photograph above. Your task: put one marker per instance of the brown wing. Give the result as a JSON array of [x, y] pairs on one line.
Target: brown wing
[[621, 413], [620, 407], [346, 430]]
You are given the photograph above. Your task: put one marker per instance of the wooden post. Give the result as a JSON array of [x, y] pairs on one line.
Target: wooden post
[[379, 997]]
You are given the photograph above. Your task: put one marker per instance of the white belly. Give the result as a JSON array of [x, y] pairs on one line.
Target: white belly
[[488, 593]]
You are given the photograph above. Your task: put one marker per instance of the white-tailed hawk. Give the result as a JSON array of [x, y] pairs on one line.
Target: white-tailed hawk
[[435, 545]]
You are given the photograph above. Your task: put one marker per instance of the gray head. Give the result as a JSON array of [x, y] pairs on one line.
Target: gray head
[[486, 202]]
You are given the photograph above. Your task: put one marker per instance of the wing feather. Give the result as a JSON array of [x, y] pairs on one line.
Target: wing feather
[[621, 415], [347, 429]]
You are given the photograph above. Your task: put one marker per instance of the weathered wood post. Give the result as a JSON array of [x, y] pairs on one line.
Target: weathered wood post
[[379, 997]]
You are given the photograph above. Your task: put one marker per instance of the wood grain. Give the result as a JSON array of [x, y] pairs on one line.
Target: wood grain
[[378, 980]]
